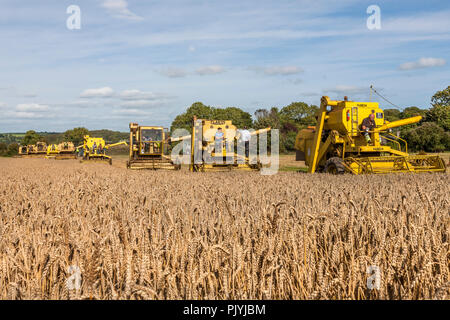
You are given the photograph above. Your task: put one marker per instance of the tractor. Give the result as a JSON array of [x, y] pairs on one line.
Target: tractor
[[94, 150], [149, 148]]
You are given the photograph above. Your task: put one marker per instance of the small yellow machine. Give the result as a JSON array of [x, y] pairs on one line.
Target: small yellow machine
[[38, 150], [207, 154], [94, 149], [62, 151], [23, 151], [148, 148], [337, 144]]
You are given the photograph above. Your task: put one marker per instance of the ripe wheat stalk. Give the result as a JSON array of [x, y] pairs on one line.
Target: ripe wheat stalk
[[181, 235]]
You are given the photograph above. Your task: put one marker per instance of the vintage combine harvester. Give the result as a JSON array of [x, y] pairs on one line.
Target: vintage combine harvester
[[62, 151], [23, 151], [94, 149], [148, 148], [208, 155], [337, 143], [38, 150]]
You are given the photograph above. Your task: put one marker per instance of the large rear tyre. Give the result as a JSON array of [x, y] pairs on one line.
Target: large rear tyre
[[334, 166]]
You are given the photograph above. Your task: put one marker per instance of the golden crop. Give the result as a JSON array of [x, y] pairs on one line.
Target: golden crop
[[182, 235]]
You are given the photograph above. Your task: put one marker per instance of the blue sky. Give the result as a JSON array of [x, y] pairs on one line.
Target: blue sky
[[147, 61]]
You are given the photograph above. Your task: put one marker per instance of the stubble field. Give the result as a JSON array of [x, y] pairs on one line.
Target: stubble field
[[93, 231]]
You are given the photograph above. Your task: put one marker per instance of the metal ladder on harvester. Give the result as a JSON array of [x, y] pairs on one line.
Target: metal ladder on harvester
[[354, 121]]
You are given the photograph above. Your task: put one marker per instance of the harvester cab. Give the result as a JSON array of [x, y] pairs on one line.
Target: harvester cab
[[338, 144], [37, 150], [148, 148], [23, 150], [213, 147], [94, 150], [41, 148]]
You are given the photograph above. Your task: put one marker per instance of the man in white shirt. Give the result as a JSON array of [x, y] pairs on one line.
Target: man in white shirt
[[246, 136]]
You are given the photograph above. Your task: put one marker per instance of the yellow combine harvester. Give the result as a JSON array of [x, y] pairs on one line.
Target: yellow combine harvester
[[23, 151], [62, 151], [38, 150], [94, 149], [209, 155], [148, 146], [339, 144]]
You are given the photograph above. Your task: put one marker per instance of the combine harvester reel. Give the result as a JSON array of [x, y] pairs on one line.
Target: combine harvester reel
[[337, 144], [148, 149], [94, 150], [208, 155]]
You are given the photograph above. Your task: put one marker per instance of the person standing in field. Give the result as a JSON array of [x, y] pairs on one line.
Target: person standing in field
[[218, 139], [245, 137], [100, 149]]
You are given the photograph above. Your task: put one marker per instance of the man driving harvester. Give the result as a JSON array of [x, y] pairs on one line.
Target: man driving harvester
[[368, 125]]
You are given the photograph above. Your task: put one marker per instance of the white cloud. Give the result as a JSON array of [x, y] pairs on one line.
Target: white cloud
[[209, 70], [173, 72], [311, 94], [423, 63], [97, 93], [29, 95], [2, 104], [296, 81], [140, 104], [278, 70], [191, 49], [24, 115], [131, 111], [24, 107], [347, 90], [119, 9], [134, 94]]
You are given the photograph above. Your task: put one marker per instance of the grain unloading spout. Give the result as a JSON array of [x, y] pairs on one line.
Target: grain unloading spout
[[399, 123]]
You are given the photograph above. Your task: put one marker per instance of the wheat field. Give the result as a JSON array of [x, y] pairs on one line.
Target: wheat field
[[91, 231]]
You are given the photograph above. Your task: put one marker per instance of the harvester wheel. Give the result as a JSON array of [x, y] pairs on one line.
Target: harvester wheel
[[334, 166], [110, 161]]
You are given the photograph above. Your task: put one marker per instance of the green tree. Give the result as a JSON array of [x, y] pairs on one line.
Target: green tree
[[184, 120], [9, 150], [13, 149], [300, 113], [441, 98], [75, 135], [289, 120], [392, 115], [412, 112], [428, 137], [239, 117], [3, 148], [31, 137], [440, 112]]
